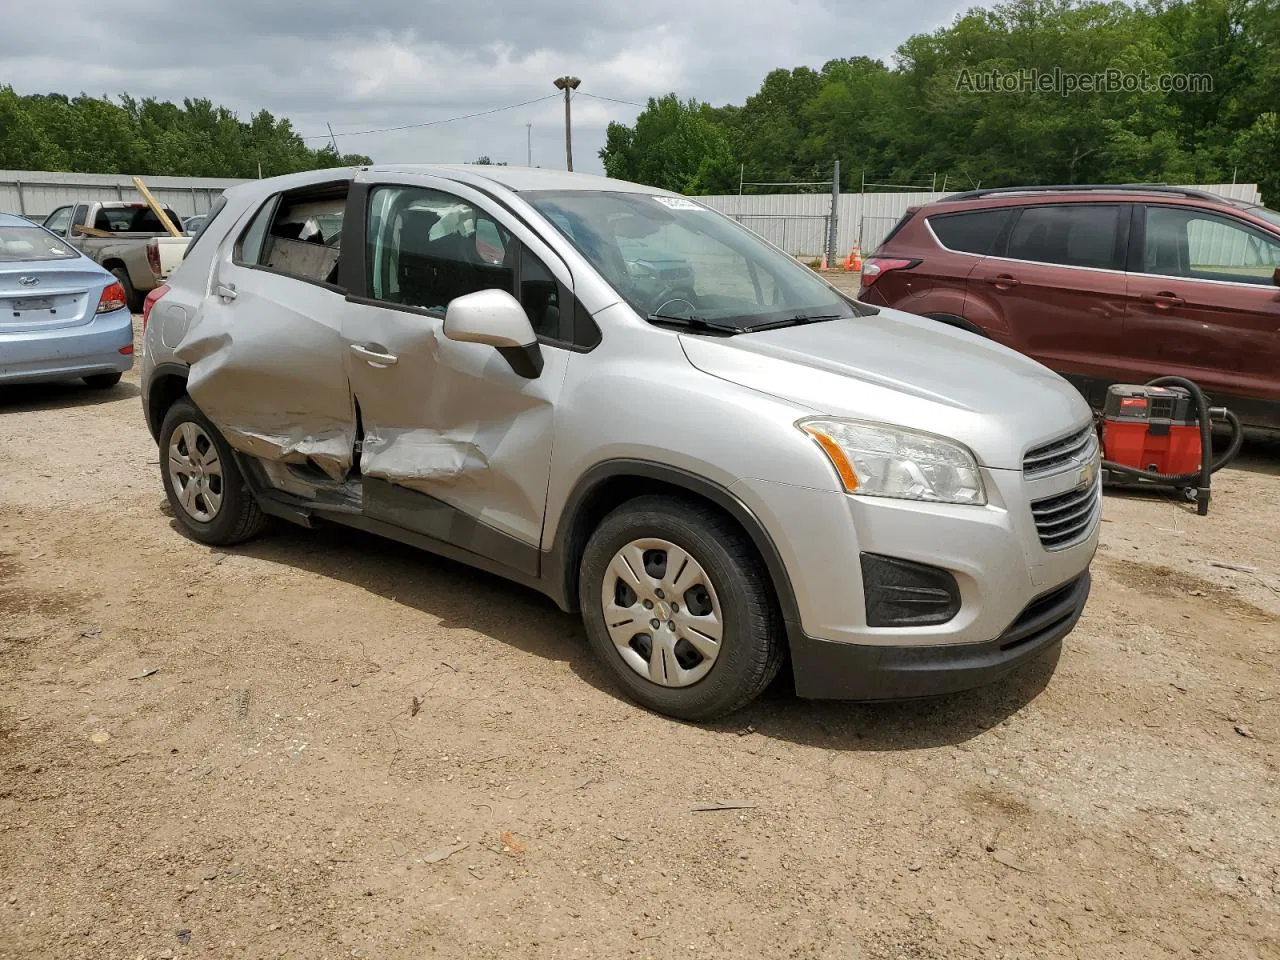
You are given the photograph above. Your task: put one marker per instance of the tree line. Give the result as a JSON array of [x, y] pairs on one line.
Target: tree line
[[991, 100], [197, 139]]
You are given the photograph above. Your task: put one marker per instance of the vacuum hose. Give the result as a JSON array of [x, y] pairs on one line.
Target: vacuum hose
[[1208, 466]]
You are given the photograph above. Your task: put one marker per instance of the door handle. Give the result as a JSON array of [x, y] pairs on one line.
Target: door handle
[[374, 357], [1163, 300], [226, 291], [1003, 281]]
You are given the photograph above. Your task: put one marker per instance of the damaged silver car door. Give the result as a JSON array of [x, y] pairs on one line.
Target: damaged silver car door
[[456, 435], [265, 348]]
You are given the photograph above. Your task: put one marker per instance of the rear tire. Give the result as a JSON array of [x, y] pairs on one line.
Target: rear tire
[[716, 585], [102, 381], [130, 295], [202, 480]]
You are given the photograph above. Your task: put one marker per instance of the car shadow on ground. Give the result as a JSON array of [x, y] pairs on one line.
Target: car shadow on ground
[[464, 598], [1260, 454], [32, 397]]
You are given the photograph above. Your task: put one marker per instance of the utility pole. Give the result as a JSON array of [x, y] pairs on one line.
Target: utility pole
[[528, 140], [567, 84], [332, 138]]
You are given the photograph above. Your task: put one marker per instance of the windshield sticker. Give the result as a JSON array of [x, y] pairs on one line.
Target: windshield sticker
[[679, 203]]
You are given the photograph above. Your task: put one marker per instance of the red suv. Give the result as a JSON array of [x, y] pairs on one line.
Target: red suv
[[1103, 284]]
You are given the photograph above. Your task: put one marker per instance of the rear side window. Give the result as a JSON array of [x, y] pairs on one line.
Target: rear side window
[[1074, 235], [298, 234], [974, 232]]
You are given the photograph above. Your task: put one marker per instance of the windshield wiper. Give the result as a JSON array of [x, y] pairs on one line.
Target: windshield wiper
[[797, 320], [693, 323]]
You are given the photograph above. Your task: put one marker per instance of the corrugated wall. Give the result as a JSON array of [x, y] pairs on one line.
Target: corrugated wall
[[797, 222], [36, 193]]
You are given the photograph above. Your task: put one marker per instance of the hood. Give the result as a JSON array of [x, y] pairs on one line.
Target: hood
[[897, 368]]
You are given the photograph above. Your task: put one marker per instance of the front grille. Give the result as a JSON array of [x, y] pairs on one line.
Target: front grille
[[1067, 518], [1048, 457]]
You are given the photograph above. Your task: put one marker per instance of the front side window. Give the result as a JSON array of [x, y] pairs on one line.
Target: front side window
[[426, 247], [1185, 242], [673, 259], [32, 243], [974, 232], [1075, 235], [58, 221]]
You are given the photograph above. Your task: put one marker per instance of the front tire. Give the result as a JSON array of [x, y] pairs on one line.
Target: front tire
[[202, 480], [677, 604]]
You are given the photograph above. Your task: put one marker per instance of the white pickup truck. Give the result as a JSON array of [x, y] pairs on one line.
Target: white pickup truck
[[138, 250]]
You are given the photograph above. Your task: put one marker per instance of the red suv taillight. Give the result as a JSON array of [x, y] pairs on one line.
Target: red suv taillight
[[112, 298], [150, 302], [877, 267], [153, 257]]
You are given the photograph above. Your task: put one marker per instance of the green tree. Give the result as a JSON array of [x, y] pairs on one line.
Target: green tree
[[915, 119], [675, 145], [151, 137]]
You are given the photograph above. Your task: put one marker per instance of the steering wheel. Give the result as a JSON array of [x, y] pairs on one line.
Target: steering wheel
[[674, 294]]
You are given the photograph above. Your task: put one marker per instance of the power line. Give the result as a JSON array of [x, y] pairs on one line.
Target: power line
[[432, 123], [596, 96]]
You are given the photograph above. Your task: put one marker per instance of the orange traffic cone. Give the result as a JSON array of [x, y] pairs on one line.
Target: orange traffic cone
[[823, 265], [853, 262], [847, 263]]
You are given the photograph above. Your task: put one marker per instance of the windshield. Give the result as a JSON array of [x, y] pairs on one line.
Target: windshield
[[32, 243], [671, 258]]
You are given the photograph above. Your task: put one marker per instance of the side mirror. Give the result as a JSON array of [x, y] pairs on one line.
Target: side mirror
[[495, 317], [1275, 277]]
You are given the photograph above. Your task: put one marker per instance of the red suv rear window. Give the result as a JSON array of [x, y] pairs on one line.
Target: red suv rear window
[[975, 231]]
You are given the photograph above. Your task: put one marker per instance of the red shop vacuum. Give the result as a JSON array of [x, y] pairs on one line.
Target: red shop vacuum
[[1160, 435]]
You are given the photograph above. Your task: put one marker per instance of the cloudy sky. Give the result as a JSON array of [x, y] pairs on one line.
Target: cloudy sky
[[383, 63]]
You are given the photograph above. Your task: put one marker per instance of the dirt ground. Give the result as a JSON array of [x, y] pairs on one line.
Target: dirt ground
[[215, 753]]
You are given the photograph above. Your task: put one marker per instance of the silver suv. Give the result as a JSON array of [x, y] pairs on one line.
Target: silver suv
[[632, 404]]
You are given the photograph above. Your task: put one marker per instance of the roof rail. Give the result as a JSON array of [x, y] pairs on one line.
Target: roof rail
[[1087, 188]]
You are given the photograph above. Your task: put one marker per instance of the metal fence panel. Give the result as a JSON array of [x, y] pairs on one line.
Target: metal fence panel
[[37, 193]]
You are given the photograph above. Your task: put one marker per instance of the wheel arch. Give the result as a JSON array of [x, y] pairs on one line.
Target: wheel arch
[[951, 320], [608, 485], [167, 384]]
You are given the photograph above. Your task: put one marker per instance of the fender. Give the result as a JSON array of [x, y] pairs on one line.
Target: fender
[[560, 563]]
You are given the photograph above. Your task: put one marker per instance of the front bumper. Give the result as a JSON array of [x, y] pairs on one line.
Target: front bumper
[[1001, 569], [44, 355], [855, 671]]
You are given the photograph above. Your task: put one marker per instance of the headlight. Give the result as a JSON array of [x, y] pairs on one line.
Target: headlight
[[880, 461]]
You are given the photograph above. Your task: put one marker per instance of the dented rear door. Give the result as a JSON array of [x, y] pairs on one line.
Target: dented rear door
[[455, 445], [267, 357]]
